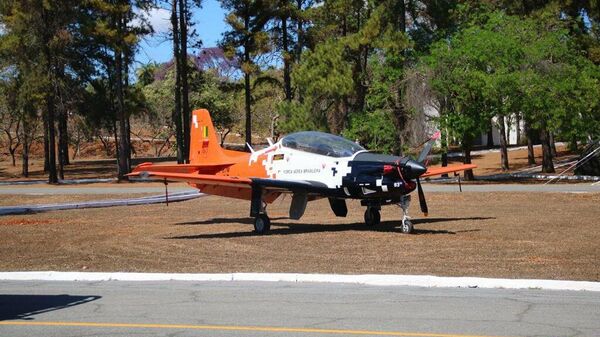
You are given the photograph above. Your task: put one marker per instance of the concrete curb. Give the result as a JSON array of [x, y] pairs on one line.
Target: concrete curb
[[367, 279]]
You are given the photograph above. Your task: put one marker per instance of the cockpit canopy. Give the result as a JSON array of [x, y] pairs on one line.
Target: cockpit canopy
[[321, 143]]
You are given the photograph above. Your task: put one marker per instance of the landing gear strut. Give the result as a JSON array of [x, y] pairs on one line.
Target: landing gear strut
[[262, 223], [372, 216], [407, 226]]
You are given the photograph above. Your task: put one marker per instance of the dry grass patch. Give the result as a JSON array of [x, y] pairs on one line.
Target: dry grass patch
[[524, 235]]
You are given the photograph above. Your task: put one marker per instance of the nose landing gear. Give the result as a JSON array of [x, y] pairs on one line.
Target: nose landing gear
[[373, 216], [407, 226]]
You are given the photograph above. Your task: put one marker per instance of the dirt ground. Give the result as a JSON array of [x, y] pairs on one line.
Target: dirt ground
[[514, 235]]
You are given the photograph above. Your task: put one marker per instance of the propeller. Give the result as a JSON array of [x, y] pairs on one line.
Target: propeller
[[422, 201], [428, 146], [421, 159]]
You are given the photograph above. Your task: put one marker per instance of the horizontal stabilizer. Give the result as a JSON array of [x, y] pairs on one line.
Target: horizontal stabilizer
[[194, 178], [180, 168]]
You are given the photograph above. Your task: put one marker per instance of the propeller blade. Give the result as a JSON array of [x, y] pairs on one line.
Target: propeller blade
[[428, 146], [422, 201]]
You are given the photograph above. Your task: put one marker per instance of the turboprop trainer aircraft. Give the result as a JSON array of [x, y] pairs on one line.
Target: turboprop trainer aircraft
[[309, 165]]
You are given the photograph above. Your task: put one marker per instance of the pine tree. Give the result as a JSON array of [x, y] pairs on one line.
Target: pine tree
[[247, 40]]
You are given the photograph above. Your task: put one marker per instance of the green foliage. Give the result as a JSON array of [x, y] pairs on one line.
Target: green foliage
[[326, 71], [300, 117], [373, 130], [206, 93], [502, 65]]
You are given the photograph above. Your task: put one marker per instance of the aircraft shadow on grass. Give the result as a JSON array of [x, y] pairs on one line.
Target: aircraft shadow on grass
[[26, 306], [290, 228]]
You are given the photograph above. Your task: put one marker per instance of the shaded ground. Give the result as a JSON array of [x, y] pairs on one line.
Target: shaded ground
[[525, 235]]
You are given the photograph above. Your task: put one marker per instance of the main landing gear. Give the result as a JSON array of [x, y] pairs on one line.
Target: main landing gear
[[372, 216], [262, 223]]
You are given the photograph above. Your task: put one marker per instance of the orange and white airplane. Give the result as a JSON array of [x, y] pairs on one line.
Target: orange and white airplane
[[309, 165]]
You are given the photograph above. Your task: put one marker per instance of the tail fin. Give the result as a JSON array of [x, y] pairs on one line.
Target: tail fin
[[204, 144]]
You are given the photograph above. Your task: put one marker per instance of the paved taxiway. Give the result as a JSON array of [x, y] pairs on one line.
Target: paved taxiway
[[114, 308]]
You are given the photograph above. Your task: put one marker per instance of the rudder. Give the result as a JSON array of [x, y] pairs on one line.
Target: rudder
[[204, 145]]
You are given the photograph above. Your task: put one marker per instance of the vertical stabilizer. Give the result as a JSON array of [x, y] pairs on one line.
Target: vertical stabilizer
[[204, 144]]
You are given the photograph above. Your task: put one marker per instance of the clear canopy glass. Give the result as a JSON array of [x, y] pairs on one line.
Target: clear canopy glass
[[321, 143]]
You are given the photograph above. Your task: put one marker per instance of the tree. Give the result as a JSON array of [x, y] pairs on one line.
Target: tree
[[206, 91], [34, 39], [116, 32], [10, 119], [246, 41]]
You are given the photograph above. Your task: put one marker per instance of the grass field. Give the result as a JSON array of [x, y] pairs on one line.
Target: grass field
[[514, 235]]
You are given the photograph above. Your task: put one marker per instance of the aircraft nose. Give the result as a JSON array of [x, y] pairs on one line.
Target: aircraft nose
[[413, 169]]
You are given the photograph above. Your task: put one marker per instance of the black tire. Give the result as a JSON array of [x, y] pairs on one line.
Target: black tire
[[262, 224], [406, 227], [372, 217]]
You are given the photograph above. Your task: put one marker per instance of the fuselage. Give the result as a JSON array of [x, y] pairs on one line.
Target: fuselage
[[341, 168]]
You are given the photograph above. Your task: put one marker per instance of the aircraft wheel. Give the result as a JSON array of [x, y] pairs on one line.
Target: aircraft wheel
[[262, 224], [407, 227], [372, 217]]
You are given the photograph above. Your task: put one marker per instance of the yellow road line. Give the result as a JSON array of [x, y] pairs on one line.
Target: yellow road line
[[233, 328]]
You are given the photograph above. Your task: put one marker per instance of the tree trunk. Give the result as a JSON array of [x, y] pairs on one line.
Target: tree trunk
[[63, 142], [287, 81], [552, 144], [401, 11], [503, 144], [46, 143], [185, 90], [300, 42], [247, 92], [25, 156], [359, 72], [467, 158], [518, 128], [177, 112], [50, 99], [116, 137], [12, 151], [52, 174], [126, 64], [122, 156], [573, 144], [530, 153], [547, 164], [490, 135], [444, 146], [248, 110], [63, 138]]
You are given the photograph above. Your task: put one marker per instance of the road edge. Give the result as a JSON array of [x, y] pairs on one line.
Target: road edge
[[428, 281]]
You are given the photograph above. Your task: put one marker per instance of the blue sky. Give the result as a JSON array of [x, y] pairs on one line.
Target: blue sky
[[209, 26]]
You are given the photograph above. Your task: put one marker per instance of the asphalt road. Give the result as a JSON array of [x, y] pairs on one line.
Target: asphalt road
[[286, 309], [125, 189]]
